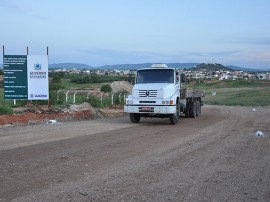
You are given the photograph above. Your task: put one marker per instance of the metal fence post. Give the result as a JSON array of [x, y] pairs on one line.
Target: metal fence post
[[57, 97], [112, 98], [74, 97], [88, 96], [67, 95], [101, 96], [120, 98]]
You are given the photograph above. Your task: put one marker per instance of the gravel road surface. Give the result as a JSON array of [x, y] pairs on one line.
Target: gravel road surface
[[215, 157]]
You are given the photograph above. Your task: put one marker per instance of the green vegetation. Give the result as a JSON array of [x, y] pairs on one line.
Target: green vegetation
[[56, 83], [95, 78], [243, 97], [5, 110], [232, 83], [235, 92], [227, 92], [106, 88]]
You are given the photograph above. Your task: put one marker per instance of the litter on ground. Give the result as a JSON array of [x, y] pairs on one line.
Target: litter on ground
[[259, 134], [52, 122]]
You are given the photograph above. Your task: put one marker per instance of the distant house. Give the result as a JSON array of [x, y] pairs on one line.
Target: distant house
[[86, 71], [225, 76], [264, 76]]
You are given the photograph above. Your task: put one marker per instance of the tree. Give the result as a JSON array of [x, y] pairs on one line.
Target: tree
[[56, 79], [56, 83], [106, 88]]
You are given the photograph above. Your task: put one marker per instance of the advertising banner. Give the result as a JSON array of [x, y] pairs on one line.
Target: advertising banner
[[15, 77], [26, 77], [37, 72]]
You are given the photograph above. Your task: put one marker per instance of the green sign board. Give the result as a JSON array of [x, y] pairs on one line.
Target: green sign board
[[15, 77]]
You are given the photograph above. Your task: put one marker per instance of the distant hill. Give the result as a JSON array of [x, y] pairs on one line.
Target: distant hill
[[119, 66], [216, 67], [69, 65], [246, 69], [143, 65], [211, 67]]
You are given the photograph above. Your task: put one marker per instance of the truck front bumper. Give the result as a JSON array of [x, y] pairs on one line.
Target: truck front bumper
[[150, 109]]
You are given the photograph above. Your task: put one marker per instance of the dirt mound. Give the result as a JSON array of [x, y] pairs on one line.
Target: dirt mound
[[37, 115], [33, 117], [118, 86], [72, 112]]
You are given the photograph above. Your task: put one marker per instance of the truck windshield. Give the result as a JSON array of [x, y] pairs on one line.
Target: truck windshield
[[155, 76]]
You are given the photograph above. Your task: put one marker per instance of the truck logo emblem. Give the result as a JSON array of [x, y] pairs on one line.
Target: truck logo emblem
[[147, 93]]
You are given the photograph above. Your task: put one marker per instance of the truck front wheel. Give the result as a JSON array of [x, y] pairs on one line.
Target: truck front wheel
[[134, 118], [175, 117]]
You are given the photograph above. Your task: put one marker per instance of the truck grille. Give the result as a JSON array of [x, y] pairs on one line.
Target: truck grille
[[147, 102], [148, 93]]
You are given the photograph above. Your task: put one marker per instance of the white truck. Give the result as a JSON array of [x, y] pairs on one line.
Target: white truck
[[158, 93]]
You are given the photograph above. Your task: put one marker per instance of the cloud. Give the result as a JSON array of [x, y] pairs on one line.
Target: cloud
[[99, 57], [110, 56], [250, 40], [261, 56], [7, 4], [20, 9]]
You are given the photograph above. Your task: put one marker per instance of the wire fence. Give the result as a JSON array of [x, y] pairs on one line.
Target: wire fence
[[67, 97]]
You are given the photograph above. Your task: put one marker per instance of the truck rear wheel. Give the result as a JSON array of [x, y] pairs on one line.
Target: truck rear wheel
[[134, 118], [187, 112], [200, 107], [192, 110], [197, 108]]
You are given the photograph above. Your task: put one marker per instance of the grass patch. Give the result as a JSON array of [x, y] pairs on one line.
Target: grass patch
[[232, 84], [68, 85], [235, 92], [5, 110], [242, 96], [228, 92]]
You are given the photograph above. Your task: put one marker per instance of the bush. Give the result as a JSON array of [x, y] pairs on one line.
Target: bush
[[106, 88], [6, 110], [56, 86], [94, 101], [56, 79]]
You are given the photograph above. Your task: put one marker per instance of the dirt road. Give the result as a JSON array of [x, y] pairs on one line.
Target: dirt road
[[215, 157]]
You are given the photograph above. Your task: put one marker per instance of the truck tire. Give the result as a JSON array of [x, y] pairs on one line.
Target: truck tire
[[187, 115], [134, 118], [197, 108], [192, 110], [175, 117]]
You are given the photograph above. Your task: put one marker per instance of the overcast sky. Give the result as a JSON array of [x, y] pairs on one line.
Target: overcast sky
[[100, 32]]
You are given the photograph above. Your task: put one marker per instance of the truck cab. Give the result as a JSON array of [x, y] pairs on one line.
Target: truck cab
[[156, 93]]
